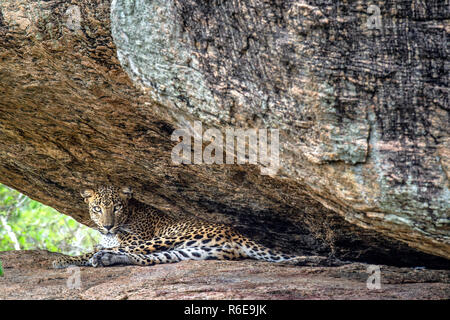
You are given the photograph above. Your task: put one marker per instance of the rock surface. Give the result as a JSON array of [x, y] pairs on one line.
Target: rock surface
[[28, 276], [362, 113], [360, 95]]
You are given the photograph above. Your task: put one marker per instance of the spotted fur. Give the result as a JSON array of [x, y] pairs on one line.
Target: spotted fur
[[136, 233]]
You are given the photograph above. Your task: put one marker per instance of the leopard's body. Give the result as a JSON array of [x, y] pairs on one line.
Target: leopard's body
[[136, 233]]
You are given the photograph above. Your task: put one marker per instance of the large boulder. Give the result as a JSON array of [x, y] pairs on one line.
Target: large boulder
[[92, 91], [359, 92]]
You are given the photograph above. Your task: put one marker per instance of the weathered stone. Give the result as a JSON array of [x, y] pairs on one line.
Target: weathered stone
[[28, 275], [362, 113], [362, 103]]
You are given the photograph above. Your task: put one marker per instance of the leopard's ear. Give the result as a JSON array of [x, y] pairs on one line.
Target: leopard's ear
[[86, 194], [127, 192]]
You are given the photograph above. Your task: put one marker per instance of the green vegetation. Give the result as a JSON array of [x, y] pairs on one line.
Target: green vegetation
[[26, 224]]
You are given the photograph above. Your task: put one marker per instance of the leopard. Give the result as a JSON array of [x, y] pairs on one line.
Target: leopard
[[136, 233]]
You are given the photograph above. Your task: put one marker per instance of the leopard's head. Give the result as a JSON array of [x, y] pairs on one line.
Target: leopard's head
[[108, 207]]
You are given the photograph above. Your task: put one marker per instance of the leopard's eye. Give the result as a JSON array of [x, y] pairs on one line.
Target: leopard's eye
[[97, 209], [117, 208]]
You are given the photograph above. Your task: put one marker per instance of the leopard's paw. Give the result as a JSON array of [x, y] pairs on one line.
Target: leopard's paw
[[107, 258], [102, 259]]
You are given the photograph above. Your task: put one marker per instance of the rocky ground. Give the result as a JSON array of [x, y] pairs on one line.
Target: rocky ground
[[27, 275]]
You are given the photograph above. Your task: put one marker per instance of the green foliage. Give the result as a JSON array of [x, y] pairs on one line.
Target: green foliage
[[27, 224]]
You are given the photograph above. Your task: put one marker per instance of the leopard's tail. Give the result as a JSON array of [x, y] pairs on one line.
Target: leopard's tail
[[253, 250], [256, 251]]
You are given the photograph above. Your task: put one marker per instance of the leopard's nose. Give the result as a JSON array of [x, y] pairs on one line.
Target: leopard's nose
[[108, 227]]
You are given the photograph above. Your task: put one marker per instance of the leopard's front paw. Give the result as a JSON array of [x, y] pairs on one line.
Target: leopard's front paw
[[102, 259]]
